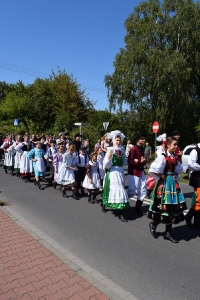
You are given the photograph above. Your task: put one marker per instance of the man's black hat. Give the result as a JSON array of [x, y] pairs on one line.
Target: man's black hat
[[78, 134], [138, 135], [175, 132]]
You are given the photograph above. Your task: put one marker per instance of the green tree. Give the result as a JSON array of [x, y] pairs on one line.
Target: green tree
[[157, 72]]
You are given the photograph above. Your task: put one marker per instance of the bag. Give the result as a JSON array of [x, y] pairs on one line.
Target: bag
[[150, 183], [40, 165]]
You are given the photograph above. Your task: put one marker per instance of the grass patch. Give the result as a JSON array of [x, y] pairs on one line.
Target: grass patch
[[184, 178], [2, 203]]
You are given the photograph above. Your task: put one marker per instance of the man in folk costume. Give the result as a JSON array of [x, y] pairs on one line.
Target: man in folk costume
[[194, 166], [137, 176]]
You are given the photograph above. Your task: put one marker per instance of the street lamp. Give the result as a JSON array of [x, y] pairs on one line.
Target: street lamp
[[81, 125]]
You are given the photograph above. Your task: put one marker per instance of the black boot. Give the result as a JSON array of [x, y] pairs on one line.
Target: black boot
[[149, 193], [74, 195], [122, 216], [189, 216], [38, 184], [197, 219], [54, 185], [103, 207], [82, 192], [168, 236], [138, 207], [94, 199], [90, 199], [64, 192], [152, 227]]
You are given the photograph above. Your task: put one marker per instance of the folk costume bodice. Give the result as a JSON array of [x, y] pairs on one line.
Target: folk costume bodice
[[117, 159], [171, 163]]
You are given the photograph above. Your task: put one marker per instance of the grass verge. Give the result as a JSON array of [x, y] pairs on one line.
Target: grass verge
[[2, 203]]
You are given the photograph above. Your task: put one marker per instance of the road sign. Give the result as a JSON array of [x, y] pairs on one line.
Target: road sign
[[15, 122], [105, 125], [155, 127]]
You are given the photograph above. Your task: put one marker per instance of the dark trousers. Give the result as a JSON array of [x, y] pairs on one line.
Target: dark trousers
[[80, 175]]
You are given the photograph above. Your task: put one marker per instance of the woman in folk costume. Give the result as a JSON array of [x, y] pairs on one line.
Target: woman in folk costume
[[92, 178], [17, 154], [37, 156], [150, 183], [66, 175], [167, 202], [8, 154], [57, 162], [26, 166], [114, 194]]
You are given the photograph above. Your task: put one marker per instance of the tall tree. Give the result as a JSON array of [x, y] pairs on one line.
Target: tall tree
[[157, 72]]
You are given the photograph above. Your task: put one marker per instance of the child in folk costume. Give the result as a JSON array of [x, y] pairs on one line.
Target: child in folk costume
[[100, 161], [8, 154], [114, 193], [167, 202], [66, 175], [150, 183], [26, 166], [82, 162], [57, 162], [51, 151], [17, 154], [92, 178], [37, 155]]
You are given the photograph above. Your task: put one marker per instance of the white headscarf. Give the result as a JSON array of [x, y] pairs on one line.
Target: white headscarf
[[113, 134], [161, 137]]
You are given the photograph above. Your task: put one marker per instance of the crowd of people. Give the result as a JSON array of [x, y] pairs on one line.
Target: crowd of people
[[71, 163]]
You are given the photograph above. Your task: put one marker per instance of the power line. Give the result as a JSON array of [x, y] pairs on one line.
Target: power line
[[29, 72]]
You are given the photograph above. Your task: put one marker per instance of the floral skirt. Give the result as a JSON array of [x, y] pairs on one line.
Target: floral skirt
[[167, 202]]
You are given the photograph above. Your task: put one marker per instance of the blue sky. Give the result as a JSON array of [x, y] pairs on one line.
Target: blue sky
[[80, 36]]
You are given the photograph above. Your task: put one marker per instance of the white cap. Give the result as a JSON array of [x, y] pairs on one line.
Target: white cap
[[161, 137]]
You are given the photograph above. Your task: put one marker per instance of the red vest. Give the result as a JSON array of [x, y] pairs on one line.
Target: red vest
[[135, 168]]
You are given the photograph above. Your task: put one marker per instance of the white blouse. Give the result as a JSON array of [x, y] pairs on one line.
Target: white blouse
[[158, 166]]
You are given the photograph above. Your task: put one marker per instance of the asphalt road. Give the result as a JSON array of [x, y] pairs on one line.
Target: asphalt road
[[124, 252]]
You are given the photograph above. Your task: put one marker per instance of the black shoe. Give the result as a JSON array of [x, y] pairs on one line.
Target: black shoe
[[64, 193], [122, 218], [78, 194], [90, 200], [54, 185], [103, 207], [169, 237], [152, 230], [74, 195], [50, 183], [94, 199], [188, 222], [138, 208], [82, 193]]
